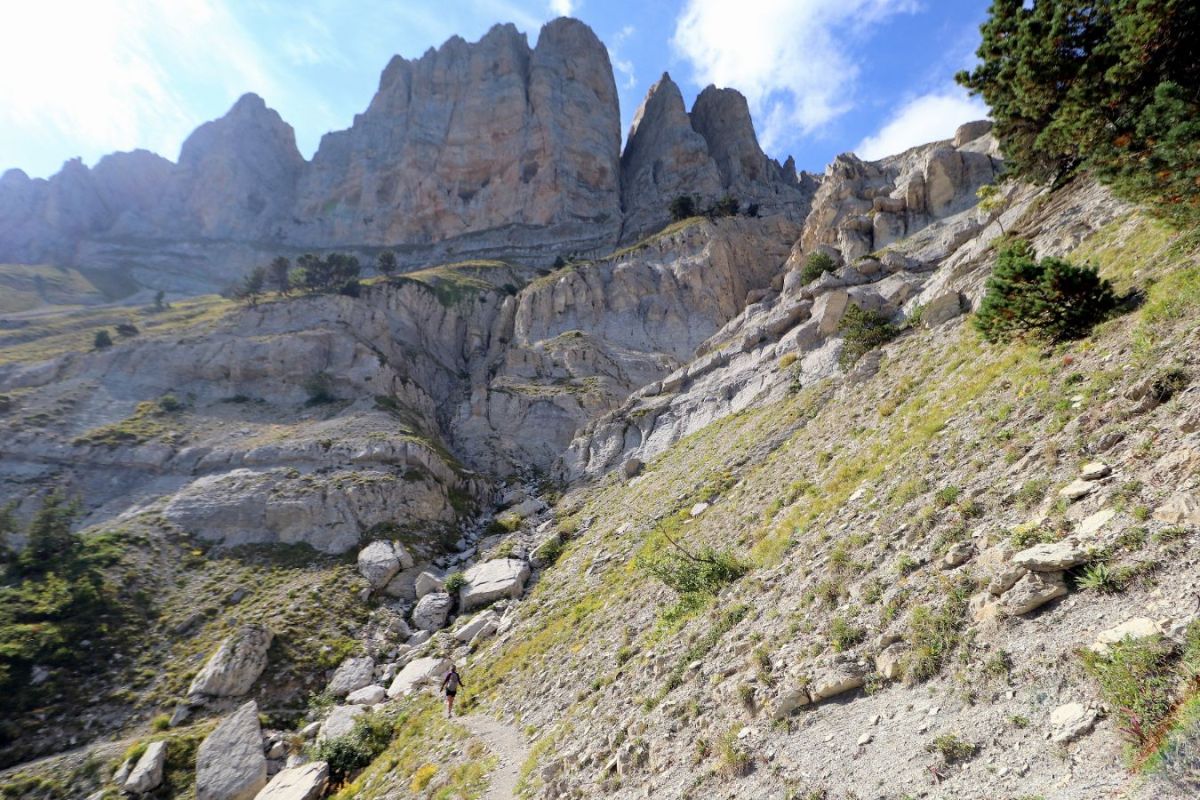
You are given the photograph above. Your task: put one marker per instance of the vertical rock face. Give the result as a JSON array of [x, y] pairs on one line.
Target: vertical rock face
[[237, 175], [470, 138], [710, 153], [664, 157]]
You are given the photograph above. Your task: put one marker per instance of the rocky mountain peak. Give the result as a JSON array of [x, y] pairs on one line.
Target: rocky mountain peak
[[722, 117]]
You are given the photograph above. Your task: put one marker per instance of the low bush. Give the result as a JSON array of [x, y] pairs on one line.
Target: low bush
[[816, 265], [862, 331], [733, 759], [102, 339], [348, 754], [454, 583], [703, 573], [1052, 299], [320, 389]]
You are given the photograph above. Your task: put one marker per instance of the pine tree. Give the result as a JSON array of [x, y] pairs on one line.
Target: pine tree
[[280, 270], [386, 263], [51, 542], [1112, 86], [1050, 299]]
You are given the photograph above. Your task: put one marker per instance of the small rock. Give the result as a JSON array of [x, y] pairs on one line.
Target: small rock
[[1069, 722], [1181, 508], [1092, 524], [148, 774], [1190, 421], [367, 696], [1134, 628], [305, 782], [699, 509], [1094, 471], [958, 555], [476, 625], [310, 730], [1077, 489], [865, 739], [1033, 591], [1050, 557]]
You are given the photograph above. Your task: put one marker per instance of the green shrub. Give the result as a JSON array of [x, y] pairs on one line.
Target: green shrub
[[863, 331], [934, 635], [1051, 299], [169, 404], [844, 634], [347, 754], [549, 551], [1136, 679], [733, 759], [703, 573], [815, 266], [683, 207], [946, 496], [454, 583], [102, 339], [951, 748], [127, 329]]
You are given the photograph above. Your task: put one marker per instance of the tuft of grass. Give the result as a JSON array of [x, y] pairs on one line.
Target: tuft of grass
[[952, 748]]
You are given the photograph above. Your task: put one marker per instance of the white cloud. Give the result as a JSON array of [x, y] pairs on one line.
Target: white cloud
[[791, 58], [117, 74], [622, 66], [563, 8], [924, 119]]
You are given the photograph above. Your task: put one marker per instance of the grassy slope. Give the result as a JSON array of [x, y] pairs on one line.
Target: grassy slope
[[789, 475]]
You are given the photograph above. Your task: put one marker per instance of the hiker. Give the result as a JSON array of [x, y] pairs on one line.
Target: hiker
[[450, 685]]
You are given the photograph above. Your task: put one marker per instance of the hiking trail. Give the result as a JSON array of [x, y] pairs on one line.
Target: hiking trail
[[507, 744]]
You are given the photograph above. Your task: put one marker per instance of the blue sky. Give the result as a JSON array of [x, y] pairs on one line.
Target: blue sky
[[87, 77]]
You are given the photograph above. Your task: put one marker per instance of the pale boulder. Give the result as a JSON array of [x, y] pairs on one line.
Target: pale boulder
[[427, 583], [340, 722], [232, 670], [367, 696], [379, 562], [476, 625], [1050, 557], [305, 782], [354, 673], [148, 773], [417, 673], [1033, 591], [492, 580], [230, 764], [431, 611]]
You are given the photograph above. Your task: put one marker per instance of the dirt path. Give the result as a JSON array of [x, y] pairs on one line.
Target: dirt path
[[507, 744]]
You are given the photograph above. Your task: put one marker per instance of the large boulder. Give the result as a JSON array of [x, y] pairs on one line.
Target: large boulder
[[354, 673], [232, 670], [379, 562], [432, 610], [305, 782], [1179, 509], [481, 625], [416, 673], [492, 580], [147, 774], [340, 722], [230, 764]]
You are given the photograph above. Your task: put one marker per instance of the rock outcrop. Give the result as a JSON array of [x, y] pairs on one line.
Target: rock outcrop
[[230, 764], [235, 666]]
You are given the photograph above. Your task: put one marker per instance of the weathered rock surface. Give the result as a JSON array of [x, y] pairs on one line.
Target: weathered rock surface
[[416, 673], [232, 670], [353, 673], [367, 696], [1180, 508], [431, 611], [481, 626], [379, 562], [305, 782], [148, 773], [1052, 557], [1033, 591], [1070, 721], [230, 764], [492, 580], [1134, 628], [340, 721]]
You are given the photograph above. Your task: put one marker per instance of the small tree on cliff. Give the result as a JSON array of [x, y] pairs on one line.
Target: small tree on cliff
[[281, 269], [386, 263], [684, 206]]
